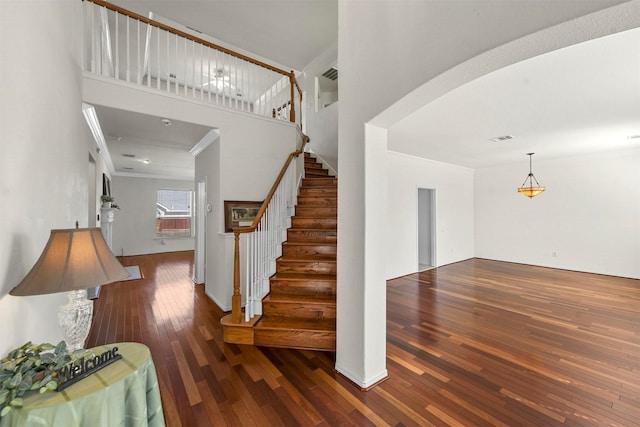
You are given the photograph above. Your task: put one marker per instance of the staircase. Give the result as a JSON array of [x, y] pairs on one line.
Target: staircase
[[300, 309]]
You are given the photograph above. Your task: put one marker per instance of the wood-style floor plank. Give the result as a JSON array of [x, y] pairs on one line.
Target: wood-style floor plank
[[480, 343]]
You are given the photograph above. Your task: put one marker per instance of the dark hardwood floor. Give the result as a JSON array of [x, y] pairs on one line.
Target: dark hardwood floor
[[474, 343]]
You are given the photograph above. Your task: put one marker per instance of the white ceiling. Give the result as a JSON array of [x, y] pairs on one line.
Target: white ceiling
[[577, 100], [166, 148]]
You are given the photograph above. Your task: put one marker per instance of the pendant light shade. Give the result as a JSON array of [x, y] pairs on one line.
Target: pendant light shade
[[530, 190]]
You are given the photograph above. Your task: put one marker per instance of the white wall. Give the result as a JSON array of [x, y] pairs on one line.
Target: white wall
[[321, 126], [134, 226], [43, 166], [589, 215], [454, 211], [418, 41]]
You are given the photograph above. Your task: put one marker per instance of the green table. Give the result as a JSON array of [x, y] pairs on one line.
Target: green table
[[124, 393]]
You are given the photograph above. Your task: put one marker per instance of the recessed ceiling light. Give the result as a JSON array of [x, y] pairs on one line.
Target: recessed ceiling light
[[166, 122], [501, 138], [146, 161], [633, 137]]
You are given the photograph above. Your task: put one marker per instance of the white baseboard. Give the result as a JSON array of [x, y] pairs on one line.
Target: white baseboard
[[362, 383], [217, 302]]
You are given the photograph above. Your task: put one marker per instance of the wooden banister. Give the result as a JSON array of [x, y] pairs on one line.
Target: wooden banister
[[290, 74], [236, 308], [175, 31]]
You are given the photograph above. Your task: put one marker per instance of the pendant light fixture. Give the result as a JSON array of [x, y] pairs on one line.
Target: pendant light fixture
[[530, 191]]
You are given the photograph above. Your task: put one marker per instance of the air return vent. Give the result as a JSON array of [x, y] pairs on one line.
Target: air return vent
[[131, 156], [128, 169], [331, 73], [502, 138]]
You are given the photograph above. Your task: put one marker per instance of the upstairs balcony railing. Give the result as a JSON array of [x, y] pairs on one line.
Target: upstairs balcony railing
[[125, 46]]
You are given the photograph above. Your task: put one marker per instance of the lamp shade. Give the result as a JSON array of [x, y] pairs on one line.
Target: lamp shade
[[73, 259], [530, 191]]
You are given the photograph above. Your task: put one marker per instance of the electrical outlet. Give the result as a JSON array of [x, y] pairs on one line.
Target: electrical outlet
[[554, 254]]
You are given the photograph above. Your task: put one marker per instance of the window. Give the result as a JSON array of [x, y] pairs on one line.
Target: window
[[173, 213]]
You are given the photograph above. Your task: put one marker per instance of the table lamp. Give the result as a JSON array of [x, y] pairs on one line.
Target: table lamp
[[73, 261]]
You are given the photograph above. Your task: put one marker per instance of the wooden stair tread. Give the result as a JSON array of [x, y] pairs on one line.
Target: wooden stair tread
[[289, 243], [324, 180], [304, 259], [300, 276], [321, 299], [296, 324]]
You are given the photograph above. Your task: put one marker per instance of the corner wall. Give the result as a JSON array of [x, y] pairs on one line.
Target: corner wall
[[589, 215]]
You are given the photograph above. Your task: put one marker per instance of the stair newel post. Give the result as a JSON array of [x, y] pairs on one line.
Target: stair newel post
[[236, 299], [292, 83]]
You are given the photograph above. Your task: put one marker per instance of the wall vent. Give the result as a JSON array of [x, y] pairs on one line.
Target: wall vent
[[331, 73], [502, 138], [131, 156], [128, 169]]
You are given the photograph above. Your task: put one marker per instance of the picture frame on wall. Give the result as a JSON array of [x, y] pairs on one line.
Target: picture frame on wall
[[239, 214], [106, 185]]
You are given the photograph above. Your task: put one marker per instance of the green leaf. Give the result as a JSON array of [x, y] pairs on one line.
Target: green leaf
[[17, 402], [46, 346], [26, 383], [47, 357], [52, 385], [61, 347], [17, 379], [5, 411]]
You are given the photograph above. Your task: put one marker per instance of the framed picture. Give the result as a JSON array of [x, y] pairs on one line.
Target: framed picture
[[106, 185], [239, 214]]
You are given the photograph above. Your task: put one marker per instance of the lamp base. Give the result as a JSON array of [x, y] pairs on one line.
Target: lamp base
[[75, 319]]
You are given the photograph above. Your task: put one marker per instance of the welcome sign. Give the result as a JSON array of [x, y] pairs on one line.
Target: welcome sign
[[83, 367]]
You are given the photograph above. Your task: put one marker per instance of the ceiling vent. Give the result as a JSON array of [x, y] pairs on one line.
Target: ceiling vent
[[131, 156], [331, 73], [128, 169], [502, 138]]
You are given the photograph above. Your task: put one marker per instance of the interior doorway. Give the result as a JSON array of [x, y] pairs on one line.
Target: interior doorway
[[426, 228]]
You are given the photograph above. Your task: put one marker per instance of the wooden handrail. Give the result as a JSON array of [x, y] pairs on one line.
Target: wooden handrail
[[263, 208], [175, 31], [292, 78], [236, 298]]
